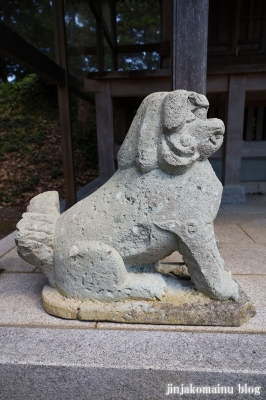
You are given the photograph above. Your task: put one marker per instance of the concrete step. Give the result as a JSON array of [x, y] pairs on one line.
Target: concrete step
[[126, 364]]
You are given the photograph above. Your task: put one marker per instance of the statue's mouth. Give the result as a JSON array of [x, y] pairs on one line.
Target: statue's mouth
[[215, 138], [178, 155], [180, 151]]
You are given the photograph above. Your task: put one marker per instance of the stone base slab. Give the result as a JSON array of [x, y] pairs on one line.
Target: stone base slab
[[182, 305]]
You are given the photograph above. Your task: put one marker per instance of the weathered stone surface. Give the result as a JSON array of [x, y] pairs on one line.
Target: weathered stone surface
[[163, 198], [182, 305]]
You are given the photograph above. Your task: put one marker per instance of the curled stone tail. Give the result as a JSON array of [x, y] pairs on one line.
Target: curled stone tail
[[35, 237]]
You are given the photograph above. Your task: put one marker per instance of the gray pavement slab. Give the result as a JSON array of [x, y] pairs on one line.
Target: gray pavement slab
[[234, 218], [256, 208], [50, 382], [11, 262], [21, 304], [231, 233], [245, 258], [256, 230], [94, 364], [7, 243], [134, 349]]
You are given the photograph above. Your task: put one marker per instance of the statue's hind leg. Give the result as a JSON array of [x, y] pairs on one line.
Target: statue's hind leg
[[93, 270]]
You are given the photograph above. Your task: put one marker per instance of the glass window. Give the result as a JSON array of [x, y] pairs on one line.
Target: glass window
[[107, 14], [144, 60], [84, 133], [32, 20], [108, 56], [138, 22], [81, 38]]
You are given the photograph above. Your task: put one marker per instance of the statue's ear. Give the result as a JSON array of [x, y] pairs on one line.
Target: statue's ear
[[140, 145], [149, 133], [175, 111]]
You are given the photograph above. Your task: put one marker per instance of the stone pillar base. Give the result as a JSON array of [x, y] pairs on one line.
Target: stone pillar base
[[233, 195]]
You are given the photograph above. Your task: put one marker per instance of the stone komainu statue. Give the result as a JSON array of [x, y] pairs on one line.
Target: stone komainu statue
[[163, 198]]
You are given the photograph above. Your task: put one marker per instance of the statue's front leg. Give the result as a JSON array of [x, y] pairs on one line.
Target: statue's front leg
[[197, 244]]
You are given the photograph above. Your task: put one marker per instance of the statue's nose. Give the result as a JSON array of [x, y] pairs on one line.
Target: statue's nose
[[216, 124]]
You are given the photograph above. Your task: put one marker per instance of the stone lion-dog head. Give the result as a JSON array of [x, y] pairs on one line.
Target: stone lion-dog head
[[171, 131]]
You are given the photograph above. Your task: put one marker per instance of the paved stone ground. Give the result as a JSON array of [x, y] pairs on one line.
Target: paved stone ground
[[44, 357]]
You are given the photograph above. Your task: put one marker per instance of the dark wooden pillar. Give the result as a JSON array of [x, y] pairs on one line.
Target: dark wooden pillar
[[233, 192], [166, 32], [105, 133], [189, 45], [120, 124], [63, 103]]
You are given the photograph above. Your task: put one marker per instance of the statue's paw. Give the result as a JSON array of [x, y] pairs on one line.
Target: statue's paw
[[230, 291], [224, 290], [144, 286]]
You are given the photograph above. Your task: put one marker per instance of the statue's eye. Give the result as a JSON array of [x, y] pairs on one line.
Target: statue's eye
[[200, 112]]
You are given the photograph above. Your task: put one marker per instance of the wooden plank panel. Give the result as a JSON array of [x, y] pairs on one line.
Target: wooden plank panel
[[219, 153], [134, 74], [146, 82], [211, 112], [91, 86], [105, 132], [217, 83], [120, 123], [256, 82], [234, 127], [116, 149], [254, 149], [259, 123], [222, 114], [139, 88], [250, 117]]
